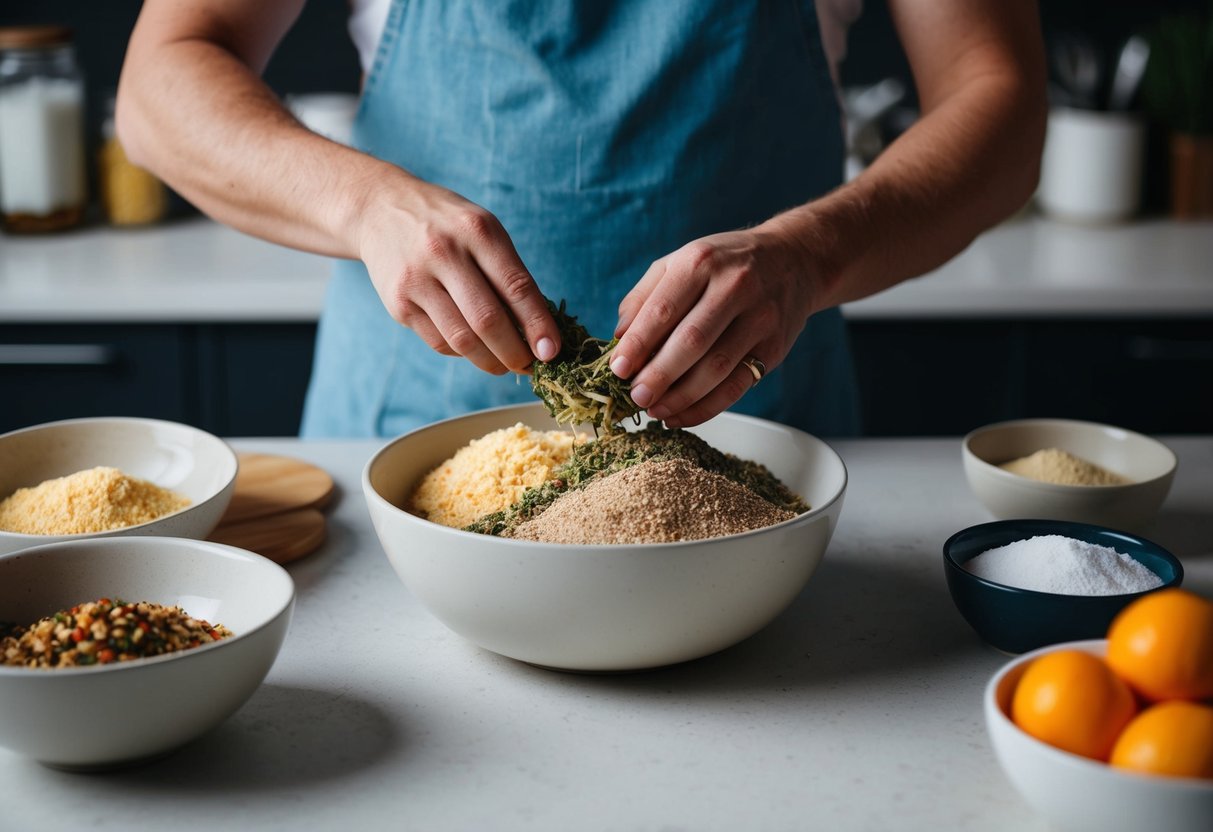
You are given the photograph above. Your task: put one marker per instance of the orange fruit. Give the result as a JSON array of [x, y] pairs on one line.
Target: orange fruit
[[1073, 701], [1173, 738], [1162, 645]]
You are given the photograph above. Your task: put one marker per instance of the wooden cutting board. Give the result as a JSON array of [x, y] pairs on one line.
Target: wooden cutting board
[[276, 507], [270, 484]]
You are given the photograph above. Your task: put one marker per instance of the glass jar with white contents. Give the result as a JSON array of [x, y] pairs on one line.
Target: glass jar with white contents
[[42, 168]]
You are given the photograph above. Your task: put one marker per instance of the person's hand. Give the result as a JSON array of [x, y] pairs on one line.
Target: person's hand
[[687, 327], [445, 268]]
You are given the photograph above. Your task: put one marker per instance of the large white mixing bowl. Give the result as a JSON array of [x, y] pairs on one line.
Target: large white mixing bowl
[[605, 608]]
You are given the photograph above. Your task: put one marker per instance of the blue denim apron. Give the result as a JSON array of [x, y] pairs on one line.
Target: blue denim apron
[[604, 134]]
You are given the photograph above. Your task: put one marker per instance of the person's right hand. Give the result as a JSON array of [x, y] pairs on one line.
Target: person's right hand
[[445, 268]]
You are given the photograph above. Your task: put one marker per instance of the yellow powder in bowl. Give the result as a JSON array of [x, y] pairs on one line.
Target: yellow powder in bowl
[[95, 500], [489, 474], [1056, 466]]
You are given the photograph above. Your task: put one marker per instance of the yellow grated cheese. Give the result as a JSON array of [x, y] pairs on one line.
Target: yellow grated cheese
[[95, 500], [489, 474]]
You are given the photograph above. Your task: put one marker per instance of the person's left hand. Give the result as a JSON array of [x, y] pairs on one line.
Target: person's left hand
[[697, 314]]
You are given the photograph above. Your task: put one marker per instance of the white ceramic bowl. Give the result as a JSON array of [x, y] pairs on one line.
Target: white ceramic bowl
[[1148, 463], [104, 715], [605, 608], [1076, 794], [187, 460]]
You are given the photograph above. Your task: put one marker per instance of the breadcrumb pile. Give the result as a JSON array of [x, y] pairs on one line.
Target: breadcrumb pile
[[489, 474], [95, 500], [1057, 466]]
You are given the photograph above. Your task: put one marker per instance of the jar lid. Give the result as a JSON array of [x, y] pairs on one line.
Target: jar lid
[[34, 37]]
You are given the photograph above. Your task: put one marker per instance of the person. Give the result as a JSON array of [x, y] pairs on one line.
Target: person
[[673, 170]]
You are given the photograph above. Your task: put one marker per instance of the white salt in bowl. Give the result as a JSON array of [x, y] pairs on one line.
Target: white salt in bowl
[[605, 607], [1076, 794], [179, 457], [1146, 462], [1013, 619]]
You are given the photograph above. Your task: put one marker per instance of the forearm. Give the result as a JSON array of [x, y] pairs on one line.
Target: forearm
[[965, 166], [198, 117]]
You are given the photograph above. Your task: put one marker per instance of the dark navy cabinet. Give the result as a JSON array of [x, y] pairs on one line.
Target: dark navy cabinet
[[230, 379], [946, 377]]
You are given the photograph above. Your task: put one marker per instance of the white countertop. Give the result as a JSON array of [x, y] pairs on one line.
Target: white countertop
[[196, 270], [857, 709]]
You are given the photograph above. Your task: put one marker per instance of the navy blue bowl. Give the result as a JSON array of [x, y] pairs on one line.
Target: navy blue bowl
[[1018, 620]]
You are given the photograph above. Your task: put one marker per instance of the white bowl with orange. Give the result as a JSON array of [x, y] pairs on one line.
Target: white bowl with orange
[[1117, 733]]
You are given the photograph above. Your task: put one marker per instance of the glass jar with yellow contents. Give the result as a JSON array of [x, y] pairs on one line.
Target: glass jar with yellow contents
[[129, 194]]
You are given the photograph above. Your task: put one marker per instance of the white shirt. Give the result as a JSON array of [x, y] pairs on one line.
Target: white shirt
[[368, 17]]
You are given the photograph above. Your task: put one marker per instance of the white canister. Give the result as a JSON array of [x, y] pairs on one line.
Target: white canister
[[42, 168], [1092, 166]]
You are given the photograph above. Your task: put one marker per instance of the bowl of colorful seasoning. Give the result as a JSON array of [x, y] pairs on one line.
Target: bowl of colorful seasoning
[[115, 650], [605, 553], [1064, 469], [111, 476], [1026, 584]]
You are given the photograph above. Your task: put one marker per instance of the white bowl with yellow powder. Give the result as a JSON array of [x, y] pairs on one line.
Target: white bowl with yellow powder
[[603, 607], [111, 476], [1065, 469]]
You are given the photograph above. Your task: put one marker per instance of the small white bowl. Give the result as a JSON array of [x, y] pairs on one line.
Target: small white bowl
[[605, 608], [187, 460], [115, 714], [1076, 794], [1147, 463]]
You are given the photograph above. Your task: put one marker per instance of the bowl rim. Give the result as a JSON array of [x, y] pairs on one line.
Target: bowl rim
[[372, 494], [1097, 646], [151, 541], [1062, 488], [996, 525], [229, 455]]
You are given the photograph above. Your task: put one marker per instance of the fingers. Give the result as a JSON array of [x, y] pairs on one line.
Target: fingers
[[678, 290], [453, 328], [714, 370], [735, 385], [525, 305], [450, 272], [635, 299]]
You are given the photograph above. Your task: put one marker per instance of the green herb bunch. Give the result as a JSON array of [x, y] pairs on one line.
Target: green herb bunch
[[577, 386], [1178, 84]]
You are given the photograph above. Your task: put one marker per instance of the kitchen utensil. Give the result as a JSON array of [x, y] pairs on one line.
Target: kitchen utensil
[[1130, 67], [1078, 67], [271, 484], [281, 537], [864, 108], [276, 507]]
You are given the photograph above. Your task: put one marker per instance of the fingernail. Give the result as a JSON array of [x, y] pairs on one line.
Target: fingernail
[[621, 367], [546, 349], [642, 395], [658, 412]]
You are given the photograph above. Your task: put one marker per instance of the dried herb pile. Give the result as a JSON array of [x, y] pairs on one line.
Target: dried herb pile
[[616, 451], [577, 386]]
